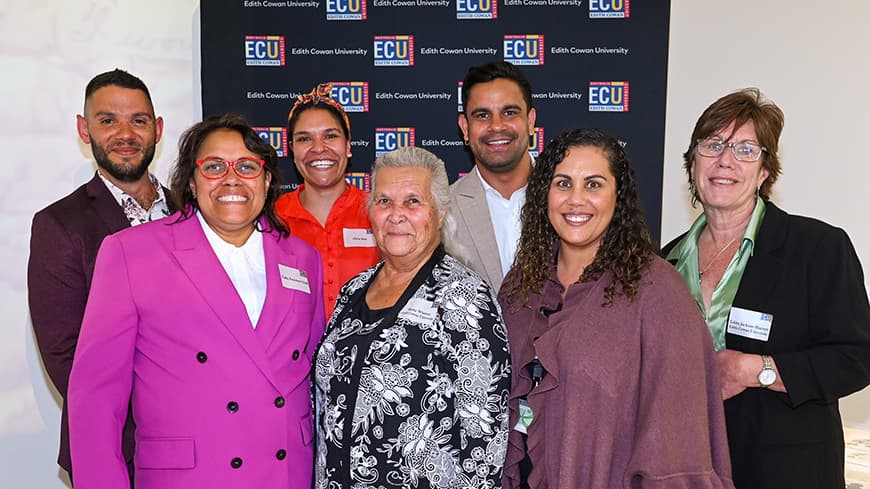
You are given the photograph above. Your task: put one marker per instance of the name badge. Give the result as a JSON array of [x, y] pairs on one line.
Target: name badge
[[526, 417], [749, 324], [419, 311], [358, 238], [293, 278]]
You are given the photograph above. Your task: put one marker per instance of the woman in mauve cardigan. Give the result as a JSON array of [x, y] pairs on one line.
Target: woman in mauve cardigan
[[614, 382]]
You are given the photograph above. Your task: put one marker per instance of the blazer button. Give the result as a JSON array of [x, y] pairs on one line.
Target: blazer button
[[201, 357], [295, 354], [232, 406], [236, 463], [281, 455], [279, 402]]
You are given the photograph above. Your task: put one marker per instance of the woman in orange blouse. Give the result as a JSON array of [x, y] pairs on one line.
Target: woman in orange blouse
[[326, 211]]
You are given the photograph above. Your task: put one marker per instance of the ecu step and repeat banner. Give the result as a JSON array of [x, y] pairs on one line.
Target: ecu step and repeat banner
[[397, 67]]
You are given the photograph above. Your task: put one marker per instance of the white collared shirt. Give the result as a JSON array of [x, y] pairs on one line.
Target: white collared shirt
[[136, 214], [504, 214], [245, 265]]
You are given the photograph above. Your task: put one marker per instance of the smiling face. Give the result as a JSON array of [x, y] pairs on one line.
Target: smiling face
[[724, 183], [120, 126], [497, 124], [320, 148], [230, 204], [581, 200], [404, 216]]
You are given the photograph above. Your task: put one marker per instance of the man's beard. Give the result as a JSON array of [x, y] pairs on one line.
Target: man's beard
[[123, 173]]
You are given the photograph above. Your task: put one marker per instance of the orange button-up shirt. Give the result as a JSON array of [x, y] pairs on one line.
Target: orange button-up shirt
[[346, 244]]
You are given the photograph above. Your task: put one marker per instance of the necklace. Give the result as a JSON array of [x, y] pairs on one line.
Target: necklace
[[716, 257]]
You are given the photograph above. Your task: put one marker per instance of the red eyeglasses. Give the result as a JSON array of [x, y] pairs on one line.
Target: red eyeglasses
[[215, 168]]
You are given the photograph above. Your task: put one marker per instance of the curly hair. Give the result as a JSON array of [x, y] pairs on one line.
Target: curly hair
[[626, 249], [185, 166]]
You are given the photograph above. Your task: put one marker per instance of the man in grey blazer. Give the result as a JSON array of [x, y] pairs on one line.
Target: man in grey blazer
[[496, 122], [119, 124]]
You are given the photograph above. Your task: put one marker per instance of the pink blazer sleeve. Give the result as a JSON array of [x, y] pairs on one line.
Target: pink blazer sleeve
[[102, 372]]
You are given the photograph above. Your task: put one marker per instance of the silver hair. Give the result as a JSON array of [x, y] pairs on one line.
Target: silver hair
[[414, 157]]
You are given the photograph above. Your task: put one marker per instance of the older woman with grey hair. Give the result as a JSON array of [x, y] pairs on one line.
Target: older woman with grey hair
[[413, 373]]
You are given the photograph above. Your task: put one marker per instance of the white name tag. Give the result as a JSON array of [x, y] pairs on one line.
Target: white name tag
[[293, 278], [358, 238], [419, 311], [749, 324]]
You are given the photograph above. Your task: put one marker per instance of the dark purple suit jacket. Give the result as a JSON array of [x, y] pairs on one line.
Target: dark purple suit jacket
[[64, 241]]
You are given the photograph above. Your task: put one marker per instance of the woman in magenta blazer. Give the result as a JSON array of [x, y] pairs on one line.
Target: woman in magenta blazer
[[208, 319]]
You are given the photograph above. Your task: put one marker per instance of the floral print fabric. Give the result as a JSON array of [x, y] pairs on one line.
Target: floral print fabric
[[417, 398]]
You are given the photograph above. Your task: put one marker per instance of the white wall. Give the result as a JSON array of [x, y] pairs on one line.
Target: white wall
[[49, 50], [813, 59], [808, 56]]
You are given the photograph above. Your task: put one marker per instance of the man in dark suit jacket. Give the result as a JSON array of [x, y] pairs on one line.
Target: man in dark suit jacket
[[119, 124]]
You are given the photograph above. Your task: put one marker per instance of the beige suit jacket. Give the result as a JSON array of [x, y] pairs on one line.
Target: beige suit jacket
[[474, 240]]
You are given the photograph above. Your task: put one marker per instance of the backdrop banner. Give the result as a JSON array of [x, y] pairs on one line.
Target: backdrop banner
[[397, 67]]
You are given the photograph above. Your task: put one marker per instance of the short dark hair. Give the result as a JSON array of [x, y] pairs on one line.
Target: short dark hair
[[185, 166], [117, 78], [626, 249], [492, 71], [740, 107]]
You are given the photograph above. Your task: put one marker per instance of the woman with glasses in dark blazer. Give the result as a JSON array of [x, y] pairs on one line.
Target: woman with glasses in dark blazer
[[784, 299]]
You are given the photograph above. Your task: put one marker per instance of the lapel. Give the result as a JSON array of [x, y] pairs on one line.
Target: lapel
[[666, 249], [105, 206], [278, 298], [764, 269], [473, 208], [199, 262]]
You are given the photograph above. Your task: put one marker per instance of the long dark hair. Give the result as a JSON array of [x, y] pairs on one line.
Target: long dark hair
[[626, 249], [185, 166]]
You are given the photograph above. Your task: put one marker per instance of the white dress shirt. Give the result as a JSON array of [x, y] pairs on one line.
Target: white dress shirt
[[245, 265], [504, 214]]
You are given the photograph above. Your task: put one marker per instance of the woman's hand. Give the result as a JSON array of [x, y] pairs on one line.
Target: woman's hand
[[738, 370]]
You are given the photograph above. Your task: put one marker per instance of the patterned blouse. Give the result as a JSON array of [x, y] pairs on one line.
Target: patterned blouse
[[418, 397]]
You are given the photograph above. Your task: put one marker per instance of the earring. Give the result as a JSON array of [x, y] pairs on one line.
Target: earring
[[349, 154]]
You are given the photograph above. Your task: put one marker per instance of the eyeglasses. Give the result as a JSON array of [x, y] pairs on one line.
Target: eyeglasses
[[215, 168], [742, 150]]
